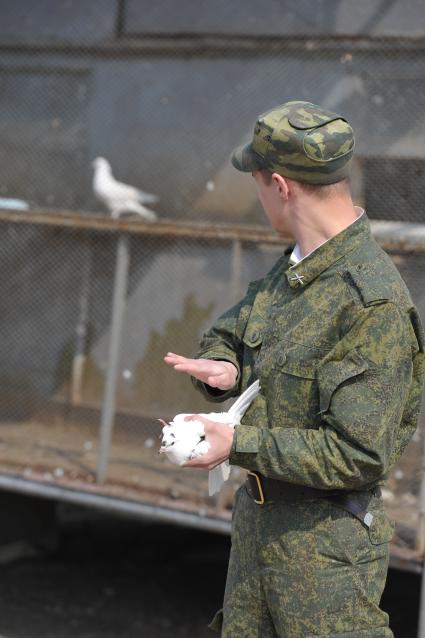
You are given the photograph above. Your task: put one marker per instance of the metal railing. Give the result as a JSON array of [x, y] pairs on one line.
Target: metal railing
[[94, 397]]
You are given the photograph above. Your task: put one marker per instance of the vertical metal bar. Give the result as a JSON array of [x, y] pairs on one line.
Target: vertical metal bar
[[420, 543], [120, 19], [80, 351], [421, 624], [420, 533], [236, 276], [118, 307]]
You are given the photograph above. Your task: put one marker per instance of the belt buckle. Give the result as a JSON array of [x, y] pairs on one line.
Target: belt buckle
[[260, 489]]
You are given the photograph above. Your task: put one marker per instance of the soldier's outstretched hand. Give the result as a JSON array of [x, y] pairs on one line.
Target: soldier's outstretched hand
[[217, 374]]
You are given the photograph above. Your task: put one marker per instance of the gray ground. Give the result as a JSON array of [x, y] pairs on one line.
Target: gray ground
[[115, 578]]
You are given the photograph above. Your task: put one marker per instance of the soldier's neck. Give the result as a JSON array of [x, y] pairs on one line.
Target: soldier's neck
[[316, 223]]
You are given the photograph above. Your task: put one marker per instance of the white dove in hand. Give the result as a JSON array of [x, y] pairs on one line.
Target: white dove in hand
[[184, 440], [120, 198]]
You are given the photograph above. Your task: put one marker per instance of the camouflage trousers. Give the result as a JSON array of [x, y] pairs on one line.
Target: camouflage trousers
[[304, 569]]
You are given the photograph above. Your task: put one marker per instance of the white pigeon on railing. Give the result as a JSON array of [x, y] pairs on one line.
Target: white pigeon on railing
[[120, 198], [184, 440]]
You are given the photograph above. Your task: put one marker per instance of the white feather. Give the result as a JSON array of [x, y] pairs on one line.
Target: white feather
[[118, 197], [183, 440]]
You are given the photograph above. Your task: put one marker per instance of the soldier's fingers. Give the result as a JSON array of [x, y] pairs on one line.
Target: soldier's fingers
[[190, 368], [172, 358], [195, 367], [201, 363], [201, 462], [195, 463]]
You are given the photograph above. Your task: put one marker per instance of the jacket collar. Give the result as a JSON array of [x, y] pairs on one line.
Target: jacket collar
[[329, 253]]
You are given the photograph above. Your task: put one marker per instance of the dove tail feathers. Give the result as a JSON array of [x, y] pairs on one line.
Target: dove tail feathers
[[147, 198], [217, 476], [241, 404]]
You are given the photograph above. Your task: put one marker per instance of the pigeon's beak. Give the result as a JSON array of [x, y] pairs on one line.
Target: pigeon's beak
[[164, 423]]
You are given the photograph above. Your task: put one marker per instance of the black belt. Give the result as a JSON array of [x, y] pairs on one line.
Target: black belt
[[262, 489]]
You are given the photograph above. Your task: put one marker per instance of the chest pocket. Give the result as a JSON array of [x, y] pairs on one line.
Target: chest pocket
[[334, 373], [289, 371], [297, 360]]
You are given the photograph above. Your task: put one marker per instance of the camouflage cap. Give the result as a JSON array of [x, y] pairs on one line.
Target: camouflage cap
[[301, 141]]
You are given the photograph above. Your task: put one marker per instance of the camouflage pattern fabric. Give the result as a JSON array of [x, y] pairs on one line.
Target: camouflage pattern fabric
[[302, 569], [301, 141], [338, 347]]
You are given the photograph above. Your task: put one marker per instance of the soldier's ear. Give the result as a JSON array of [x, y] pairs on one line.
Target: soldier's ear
[[282, 185]]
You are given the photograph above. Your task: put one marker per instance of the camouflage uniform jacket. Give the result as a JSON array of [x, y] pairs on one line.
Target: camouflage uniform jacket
[[338, 347]]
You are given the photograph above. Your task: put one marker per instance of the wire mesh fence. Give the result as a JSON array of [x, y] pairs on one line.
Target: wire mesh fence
[[164, 96]]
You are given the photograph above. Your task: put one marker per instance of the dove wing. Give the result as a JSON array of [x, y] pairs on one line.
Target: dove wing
[[220, 474], [217, 476], [120, 191], [147, 198], [238, 409]]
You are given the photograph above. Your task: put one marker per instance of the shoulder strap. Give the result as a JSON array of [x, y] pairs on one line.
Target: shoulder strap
[[372, 287]]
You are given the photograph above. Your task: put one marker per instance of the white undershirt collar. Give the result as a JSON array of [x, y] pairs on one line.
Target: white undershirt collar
[[295, 257]]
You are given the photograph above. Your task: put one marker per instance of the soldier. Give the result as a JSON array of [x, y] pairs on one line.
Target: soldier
[[334, 338]]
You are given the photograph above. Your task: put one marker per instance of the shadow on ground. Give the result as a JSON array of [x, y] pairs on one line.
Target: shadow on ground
[[116, 578]]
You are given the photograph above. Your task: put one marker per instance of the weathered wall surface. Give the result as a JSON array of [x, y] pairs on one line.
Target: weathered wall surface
[[154, 89]]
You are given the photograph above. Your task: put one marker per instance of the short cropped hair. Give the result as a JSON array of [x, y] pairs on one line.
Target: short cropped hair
[[321, 191]]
